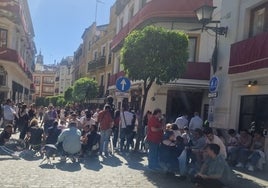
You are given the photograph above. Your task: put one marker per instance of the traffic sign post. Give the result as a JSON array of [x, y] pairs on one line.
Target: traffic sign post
[[213, 87], [123, 84]]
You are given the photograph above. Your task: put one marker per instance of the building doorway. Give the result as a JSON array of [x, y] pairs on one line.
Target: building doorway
[[254, 108], [179, 102]]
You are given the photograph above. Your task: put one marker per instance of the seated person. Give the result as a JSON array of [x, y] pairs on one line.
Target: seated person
[[214, 172], [4, 138], [84, 139], [93, 140], [69, 141], [168, 153], [254, 154], [196, 149], [211, 138], [35, 135], [52, 133], [232, 145]]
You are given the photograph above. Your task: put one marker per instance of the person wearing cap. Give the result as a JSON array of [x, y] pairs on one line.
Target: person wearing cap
[[9, 113], [105, 121]]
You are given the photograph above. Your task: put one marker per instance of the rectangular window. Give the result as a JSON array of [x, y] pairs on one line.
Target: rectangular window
[[192, 49], [95, 55], [103, 51], [3, 38], [48, 80], [259, 20], [37, 80], [102, 80], [121, 23], [131, 12]]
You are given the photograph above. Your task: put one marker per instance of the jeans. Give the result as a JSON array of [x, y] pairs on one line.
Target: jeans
[[115, 138], [183, 162], [254, 158], [104, 140], [153, 155]]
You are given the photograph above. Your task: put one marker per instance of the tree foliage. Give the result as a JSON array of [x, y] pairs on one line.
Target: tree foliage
[[84, 89], [68, 94], [154, 54]]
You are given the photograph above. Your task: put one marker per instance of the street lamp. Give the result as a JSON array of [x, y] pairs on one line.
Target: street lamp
[[204, 16]]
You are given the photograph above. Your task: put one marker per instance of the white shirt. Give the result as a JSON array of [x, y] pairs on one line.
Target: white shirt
[[126, 119], [181, 122], [195, 123], [9, 113], [218, 141]]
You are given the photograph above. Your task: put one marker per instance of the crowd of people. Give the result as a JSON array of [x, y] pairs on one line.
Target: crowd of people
[[192, 149], [188, 147]]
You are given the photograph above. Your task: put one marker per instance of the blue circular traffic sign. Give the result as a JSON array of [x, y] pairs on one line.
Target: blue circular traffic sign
[[213, 84], [122, 84]]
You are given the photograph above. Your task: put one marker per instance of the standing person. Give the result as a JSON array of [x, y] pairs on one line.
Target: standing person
[[32, 112], [126, 122], [23, 121], [154, 138], [196, 122], [105, 121], [9, 113], [41, 113], [49, 117], [182, 121], [116, 127]]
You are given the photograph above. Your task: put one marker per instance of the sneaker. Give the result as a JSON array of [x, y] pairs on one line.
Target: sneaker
[[250, 168], [239, 165]]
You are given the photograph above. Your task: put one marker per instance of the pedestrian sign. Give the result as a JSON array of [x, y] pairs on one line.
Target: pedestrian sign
[[123, 84], [213, 84]]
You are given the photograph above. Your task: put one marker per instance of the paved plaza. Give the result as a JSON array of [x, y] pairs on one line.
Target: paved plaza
[[113, 171], [118, 170]]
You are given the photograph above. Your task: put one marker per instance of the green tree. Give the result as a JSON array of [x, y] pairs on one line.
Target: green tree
[[84, 89], [60, 101], [154, 54], [68, 94]]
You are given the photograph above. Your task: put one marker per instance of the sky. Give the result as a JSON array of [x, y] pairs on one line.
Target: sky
[[59, 24]]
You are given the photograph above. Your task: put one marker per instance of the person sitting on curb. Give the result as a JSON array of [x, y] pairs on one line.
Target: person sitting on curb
[[4, 138], [215, 171]]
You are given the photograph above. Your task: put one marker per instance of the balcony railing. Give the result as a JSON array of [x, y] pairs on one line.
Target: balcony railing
[[250, 54], [11, 55], [160, 10], [194, 70], [95, 64]]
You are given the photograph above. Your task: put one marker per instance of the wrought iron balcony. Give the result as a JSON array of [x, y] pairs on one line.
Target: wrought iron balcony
[[96, 64]]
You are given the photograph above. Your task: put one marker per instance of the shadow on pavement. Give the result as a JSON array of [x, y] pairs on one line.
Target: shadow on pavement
[[134, 160], [68, 166], [92, 163], [111, 160]]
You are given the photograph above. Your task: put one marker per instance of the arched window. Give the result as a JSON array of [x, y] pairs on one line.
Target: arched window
[[3, 76]]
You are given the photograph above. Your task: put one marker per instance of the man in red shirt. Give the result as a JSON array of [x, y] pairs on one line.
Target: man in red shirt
[[105, 124], [154, 138]]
